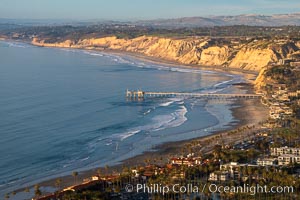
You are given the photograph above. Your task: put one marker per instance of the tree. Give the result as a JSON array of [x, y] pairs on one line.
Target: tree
[[106, 169], [58, 183], [26, 190], [75, 174], [99, 172], [37, 191], [251, 154], [217, 151]]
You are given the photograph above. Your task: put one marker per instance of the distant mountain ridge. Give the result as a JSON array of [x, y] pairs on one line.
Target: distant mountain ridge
[[189, 22], [248, 19]]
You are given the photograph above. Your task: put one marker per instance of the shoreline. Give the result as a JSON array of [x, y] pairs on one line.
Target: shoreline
[[169, 148], [158, 60], [249, 76]]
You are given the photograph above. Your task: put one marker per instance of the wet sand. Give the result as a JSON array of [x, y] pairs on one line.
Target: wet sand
[[248, 74]]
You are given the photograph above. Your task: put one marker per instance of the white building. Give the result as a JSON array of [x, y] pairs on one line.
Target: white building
[[219, 176], [287, 159], [186, 161], [233, 168], [266, 161], [285, 150]]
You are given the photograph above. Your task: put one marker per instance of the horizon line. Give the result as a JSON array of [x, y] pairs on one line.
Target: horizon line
[[150, 19]]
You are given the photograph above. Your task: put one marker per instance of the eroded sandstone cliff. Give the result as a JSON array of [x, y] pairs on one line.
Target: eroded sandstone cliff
[[252, 55]]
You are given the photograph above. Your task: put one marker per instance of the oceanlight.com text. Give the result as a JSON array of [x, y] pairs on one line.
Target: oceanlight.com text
[[212, 188]]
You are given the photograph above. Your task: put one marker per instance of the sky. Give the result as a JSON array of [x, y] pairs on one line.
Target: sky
[[140, 9]]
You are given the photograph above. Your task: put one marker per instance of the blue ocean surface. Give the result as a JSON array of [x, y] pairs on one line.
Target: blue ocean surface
[[64, 109]]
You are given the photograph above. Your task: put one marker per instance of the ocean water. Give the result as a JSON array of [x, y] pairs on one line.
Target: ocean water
[[63, 110]]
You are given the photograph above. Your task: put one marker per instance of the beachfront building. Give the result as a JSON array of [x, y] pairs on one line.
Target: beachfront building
[[296, 64], [294, 94], [135, 172], [186, 161], [285, 150], [285, 61], [266, 161], [151, 170], [219, 176], [234, 169], [287, 159]]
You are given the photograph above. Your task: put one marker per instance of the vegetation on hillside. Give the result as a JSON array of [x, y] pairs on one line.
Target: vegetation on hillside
[[60, 33]]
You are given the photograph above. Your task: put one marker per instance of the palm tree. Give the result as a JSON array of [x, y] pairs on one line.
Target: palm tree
[[106, 169], [37, 191], [75, 174], [99, 172], [26, 190], [147, 161], [216, 151], [58, 183]]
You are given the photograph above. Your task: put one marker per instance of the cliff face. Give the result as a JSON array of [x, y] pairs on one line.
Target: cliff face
[[65, 44], [216, 56], [253, 55], [253, 59], [260, 80]]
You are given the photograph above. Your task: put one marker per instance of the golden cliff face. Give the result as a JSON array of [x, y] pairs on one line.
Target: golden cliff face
[[260, 80], [179, 50], [253, 59], [249, 56], [65, 44], [214, 56]]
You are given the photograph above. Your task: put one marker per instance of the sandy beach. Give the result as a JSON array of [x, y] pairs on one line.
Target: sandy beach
[[163, 61]]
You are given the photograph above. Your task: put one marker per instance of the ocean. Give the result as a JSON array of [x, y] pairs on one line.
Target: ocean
[[65, 109]]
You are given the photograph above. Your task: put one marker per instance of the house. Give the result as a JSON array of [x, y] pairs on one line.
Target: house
[[233, 168], [186, 161], [219, 176], [280, 87], [152, 170], [295, 64], [135, 172], [285, 150], [287, 159], [266, 161], [294, 94], [285, 61]]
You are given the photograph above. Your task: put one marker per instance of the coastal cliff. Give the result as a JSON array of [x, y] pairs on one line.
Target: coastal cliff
[[252, 55], [253, 59]]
